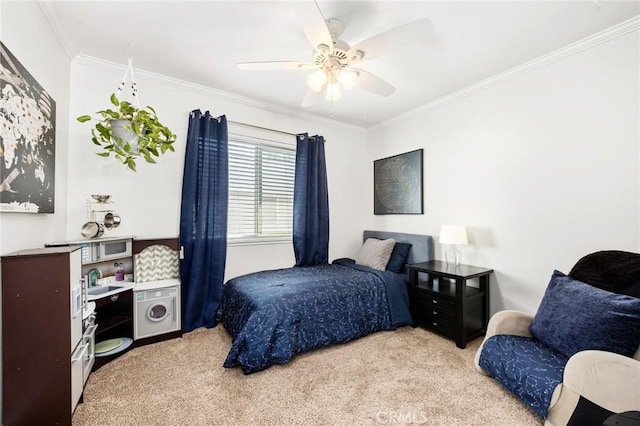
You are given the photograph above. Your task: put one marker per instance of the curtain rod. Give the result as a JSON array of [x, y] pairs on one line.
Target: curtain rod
[[261, 128]]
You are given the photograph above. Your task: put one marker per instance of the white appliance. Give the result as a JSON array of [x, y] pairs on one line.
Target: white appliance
[[100, 251], [89, 340], [156, 311], [82, 361], [78, 299]]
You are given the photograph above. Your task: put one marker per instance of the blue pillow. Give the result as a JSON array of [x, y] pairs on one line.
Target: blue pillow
[[398, 259], [574, 316]]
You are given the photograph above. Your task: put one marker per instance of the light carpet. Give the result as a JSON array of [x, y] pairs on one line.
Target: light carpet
[[406, 376]]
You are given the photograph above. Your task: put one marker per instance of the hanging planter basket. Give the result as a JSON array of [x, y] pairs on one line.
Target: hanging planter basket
[[128, 131], [122, 132]]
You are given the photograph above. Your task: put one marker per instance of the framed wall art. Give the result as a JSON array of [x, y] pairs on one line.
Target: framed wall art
[[27, 140], [397, 184]]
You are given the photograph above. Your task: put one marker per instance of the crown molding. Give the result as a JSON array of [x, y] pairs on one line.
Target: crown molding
[[103, 64], [596, 39], [52, 18]]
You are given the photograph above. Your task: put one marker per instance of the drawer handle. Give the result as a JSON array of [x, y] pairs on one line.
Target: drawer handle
[[115, 297], [434, 301], [435, 312], [435, 323]]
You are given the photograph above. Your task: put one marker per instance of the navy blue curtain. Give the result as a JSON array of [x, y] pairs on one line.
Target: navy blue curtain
[[203, 219], [310, 202]]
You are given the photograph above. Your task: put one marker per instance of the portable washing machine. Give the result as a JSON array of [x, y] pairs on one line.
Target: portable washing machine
[[156, 311]]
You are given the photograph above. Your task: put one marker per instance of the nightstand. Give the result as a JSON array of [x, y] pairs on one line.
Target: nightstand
[[441, 299]]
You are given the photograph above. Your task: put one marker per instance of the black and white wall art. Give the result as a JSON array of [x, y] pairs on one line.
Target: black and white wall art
[[397, 184], [27, 140]]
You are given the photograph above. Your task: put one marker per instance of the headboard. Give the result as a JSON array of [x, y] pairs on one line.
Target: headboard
[[422, 249]]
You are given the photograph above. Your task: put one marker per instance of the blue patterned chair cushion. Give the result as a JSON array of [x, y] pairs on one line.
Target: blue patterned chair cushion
[[526, 367]]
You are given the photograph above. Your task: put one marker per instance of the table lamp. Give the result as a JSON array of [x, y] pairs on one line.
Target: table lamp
[[452, 235]]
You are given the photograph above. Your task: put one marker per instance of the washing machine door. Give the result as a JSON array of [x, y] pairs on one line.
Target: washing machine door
[[157, 312]]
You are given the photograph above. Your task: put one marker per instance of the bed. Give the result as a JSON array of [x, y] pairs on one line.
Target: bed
[[274, 315]]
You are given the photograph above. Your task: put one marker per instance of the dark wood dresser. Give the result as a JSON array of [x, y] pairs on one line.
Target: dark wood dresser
[[442, 300]]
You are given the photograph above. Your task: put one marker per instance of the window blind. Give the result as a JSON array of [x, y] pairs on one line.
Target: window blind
[[261, 179]]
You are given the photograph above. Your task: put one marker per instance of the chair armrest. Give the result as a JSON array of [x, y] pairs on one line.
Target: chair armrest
[[604, 378], [505, 322], [509, 322]]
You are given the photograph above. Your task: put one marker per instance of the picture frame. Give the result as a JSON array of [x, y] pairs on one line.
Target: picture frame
[[397, 184], [27, 140]]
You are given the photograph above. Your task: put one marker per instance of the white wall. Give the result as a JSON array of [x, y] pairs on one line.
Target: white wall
[[542, 168], [149, 200], [27, 34]]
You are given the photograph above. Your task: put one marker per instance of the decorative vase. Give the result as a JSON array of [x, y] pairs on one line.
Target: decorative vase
[[452, 256]]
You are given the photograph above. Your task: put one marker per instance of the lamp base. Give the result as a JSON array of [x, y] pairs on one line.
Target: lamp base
[[452, 256]]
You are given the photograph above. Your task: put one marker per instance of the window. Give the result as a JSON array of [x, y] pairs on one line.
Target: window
[[261, 177]]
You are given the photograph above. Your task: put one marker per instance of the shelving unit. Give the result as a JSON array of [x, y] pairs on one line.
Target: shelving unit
[[114, 316], [94, 207], [41, 381], [97, 207], [114, 313]]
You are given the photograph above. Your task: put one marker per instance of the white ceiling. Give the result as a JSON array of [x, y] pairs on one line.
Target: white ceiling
[[201, 41]]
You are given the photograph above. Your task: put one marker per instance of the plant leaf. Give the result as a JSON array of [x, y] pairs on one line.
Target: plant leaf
[[154, 138], [149, 159]]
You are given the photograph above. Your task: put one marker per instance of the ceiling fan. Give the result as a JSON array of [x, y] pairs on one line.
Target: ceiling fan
[[333, 59]]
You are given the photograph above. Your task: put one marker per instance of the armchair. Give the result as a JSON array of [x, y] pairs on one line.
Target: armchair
[[577, 361]]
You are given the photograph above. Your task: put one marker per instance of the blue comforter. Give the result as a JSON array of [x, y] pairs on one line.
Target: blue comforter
[[273, 315]]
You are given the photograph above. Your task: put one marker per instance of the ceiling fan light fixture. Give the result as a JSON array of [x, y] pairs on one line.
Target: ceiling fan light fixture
[[357, 55], [347, 78], [333, 92], [323, 48], [317, 80]]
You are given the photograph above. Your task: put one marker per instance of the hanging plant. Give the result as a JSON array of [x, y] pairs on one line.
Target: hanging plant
[[129, 132]]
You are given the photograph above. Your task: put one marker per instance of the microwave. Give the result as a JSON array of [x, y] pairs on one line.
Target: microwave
[[102, 251]]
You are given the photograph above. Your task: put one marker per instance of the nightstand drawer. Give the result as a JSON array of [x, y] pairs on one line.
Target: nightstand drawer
[[429, 316], [436, 315], [440, 327], [428, 301]]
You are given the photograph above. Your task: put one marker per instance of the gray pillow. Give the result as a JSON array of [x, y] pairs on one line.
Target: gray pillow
[[375, 253]]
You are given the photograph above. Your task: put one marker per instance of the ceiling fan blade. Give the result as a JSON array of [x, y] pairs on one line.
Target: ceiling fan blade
[[393, 39], [313, 23], [310, 98], [276, 65], [373, 84]]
